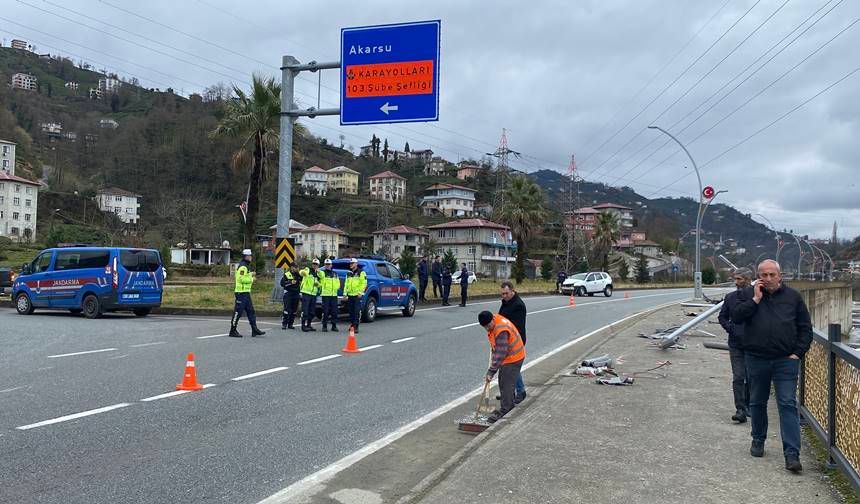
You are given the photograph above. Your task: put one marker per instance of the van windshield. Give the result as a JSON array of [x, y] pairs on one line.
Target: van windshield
[[139, 260]]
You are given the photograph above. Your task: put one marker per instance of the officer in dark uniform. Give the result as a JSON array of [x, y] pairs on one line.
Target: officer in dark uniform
[[464, 285], [290, 284], [244, 282], [446, 285]]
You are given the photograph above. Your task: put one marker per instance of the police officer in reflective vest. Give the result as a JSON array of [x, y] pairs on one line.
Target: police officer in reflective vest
[[310, 288], [354, 287], [508, 354], [330, 286], [244, 281], [290, 284]]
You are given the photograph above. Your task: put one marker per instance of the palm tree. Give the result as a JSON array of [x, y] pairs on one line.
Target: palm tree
[[254, 118], [607, 230], [524, 213]]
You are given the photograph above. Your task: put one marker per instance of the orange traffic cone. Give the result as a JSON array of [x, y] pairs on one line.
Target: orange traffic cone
[[626, 295], [189, 380], [351, 346], [572, 301]]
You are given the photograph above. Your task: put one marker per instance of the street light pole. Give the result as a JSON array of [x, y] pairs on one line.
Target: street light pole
[[775, 232], [697, 275]]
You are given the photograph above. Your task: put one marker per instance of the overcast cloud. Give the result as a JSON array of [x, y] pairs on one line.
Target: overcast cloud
[[562, 77]]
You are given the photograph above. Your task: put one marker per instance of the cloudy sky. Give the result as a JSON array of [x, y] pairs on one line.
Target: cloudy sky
[[750, 86]]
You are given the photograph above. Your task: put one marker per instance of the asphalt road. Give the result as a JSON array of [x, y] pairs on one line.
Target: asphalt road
[[81, 420]]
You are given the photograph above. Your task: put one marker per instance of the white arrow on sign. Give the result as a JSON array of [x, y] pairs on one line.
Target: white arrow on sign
[[386, 108]]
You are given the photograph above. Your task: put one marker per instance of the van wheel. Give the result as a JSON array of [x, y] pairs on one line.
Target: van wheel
[[23, 304], [369, 314], [91, 307], [607, 291], [409, 309], [142, 312]]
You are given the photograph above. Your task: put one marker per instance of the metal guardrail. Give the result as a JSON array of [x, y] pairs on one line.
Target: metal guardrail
[[830, 399]]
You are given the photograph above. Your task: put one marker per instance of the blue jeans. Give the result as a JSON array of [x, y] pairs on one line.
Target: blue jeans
[[521, 385], [783, 372]]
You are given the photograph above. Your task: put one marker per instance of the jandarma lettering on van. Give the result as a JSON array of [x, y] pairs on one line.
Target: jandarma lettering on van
[[69, 281], [354, 49]]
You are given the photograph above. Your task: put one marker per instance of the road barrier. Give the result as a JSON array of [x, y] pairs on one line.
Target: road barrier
[[830, 399]]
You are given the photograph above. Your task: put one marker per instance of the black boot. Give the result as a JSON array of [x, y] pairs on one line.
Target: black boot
[[234, 333], [757, 448], [739, 417], [255, 331], [334, 328], [792, 463]]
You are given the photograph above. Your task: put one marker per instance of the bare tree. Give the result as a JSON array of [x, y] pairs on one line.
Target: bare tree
[[186, 217]]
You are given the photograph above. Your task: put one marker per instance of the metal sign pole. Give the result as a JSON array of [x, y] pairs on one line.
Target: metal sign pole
[[285, 140]]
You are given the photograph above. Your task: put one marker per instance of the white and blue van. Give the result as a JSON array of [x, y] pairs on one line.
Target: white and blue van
[[91, 280]]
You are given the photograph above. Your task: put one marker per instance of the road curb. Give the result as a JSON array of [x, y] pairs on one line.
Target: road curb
[[460, 456]]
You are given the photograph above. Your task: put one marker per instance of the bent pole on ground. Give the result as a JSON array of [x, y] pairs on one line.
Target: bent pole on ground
[[671, 339]]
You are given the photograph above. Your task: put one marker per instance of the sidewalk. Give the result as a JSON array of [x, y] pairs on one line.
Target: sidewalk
[[660, 440]]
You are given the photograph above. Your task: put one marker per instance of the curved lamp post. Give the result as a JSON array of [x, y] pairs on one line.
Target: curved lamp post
[[697, 275]]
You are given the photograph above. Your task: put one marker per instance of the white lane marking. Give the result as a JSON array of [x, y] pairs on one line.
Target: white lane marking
[[527, 297], [401, 340], [172, 394], [73, 416], [370, 347], [81, 353], [325, 474], [123, 356], [10, 389], [148, 344], [212, 336], [45, 368], [320, 359], [589, 303], [260, 373]]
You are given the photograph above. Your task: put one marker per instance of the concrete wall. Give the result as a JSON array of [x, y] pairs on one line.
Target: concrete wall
[[828, 303]]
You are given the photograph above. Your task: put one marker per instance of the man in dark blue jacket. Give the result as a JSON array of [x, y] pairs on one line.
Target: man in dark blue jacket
[[777, 334], [740, 384], [464, 285], [423, 274]]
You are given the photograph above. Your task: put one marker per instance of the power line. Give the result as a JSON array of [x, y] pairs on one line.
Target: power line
[[733, 79], [674, 81], [695, 84], [767, 126]]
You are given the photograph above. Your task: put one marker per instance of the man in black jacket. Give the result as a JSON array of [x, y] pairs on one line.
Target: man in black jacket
[[464, 285], [436, 276], [514, 310], [740, 384], [777, 334]]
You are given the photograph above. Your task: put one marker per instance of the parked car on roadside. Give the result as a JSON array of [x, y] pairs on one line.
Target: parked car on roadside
[[455, 278], [588, 283], [6, 277], [91, 280]]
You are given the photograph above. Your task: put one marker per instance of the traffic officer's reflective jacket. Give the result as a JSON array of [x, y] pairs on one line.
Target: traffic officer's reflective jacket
[[330, 283], [244, 280], [356, 283], [310, 281]]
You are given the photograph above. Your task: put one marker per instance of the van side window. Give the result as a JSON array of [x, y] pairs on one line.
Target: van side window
[[382, 269], [82, 259], [395, 273], [42, 263]]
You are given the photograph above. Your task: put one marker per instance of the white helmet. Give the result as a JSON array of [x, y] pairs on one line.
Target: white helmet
[[247, 252], [327, 262], [353, 261], [316, 261]]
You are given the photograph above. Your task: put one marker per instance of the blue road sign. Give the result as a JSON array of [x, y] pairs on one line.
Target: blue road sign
[[674, 268], [390, 73]]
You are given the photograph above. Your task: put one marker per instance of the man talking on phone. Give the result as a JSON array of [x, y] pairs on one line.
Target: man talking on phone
[[777, 334]]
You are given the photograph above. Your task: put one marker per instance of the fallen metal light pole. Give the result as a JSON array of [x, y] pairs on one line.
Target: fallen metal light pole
[[673, 338]]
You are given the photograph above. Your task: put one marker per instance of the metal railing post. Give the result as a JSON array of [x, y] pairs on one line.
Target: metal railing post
[[834, 335]]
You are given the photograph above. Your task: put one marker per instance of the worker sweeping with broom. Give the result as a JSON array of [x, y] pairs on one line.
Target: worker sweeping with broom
[[508, 354]]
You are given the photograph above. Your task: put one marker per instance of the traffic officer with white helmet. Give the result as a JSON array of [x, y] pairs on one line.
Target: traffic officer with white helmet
[[310, 288], [353, 288], [242, 292], [330, 286]]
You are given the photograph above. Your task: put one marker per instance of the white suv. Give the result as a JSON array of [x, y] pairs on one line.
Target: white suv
[[588, 283]]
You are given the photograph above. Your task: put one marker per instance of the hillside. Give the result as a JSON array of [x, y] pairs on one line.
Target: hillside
[[162, 149]]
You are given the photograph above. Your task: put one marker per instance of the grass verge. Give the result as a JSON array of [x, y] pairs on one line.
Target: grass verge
[[839, 481]]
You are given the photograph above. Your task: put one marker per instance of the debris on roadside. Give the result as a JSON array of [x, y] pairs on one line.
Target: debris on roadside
[[615, 380], [716, 345], [659, 333], [600, 361]]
